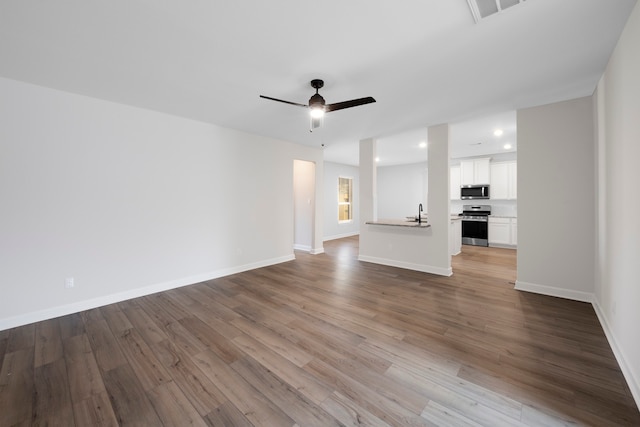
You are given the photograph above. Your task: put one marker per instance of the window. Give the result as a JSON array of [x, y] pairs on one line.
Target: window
[[345, 187]]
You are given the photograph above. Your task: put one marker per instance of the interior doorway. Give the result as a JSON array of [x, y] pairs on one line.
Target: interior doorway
[[304, 183]]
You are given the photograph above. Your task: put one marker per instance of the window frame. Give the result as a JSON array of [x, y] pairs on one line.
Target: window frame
[[349, 203]]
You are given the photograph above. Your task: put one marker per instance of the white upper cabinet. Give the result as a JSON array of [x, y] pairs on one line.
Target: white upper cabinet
[[454, 182], [474, 171], [504, 183]]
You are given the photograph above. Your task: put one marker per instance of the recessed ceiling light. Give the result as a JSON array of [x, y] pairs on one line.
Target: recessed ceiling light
[[498, 132], [423, 144], [377, 159], [507, 146]]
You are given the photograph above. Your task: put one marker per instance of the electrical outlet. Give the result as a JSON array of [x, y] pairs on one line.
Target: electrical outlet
[[69, 283]]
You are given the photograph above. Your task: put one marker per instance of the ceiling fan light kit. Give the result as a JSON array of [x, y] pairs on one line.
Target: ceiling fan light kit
[[318, 107]]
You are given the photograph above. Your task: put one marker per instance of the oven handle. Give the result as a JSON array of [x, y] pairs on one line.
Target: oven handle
[[475, 219]]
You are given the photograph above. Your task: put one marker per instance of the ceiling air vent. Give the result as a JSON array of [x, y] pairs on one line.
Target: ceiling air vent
[[483, 8]]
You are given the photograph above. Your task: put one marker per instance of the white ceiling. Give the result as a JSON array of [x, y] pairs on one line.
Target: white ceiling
[[425, 62]]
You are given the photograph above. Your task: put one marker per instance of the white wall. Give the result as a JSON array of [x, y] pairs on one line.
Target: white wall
[[617, 293], [401, 189], [129, 201], [332, 228], [556, 199]]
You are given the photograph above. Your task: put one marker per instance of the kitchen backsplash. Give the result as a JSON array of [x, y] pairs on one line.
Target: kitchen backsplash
[[499, 207]]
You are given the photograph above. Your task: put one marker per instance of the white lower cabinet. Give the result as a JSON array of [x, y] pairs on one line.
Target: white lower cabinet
[[514, 231], [503, 231], [455, 237]]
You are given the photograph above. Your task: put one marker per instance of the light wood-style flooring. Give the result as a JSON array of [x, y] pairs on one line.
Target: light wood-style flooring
[[320, 341]]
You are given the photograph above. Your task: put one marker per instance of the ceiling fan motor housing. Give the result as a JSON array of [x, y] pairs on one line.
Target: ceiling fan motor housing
[[316, 101]]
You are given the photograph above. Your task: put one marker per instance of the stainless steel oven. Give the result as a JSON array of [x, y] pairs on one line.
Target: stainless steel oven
[[475, 225]]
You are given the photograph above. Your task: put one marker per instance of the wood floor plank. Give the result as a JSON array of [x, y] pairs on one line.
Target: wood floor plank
[[254, 405], [323, 340], [211, 339], [95, 411], [500, 412], [4, 341], [48, 342], [381, 406], [173, 407], [17, 387], [350, 413], [21, 338], [276, 342], [84, 375], [202, 393], [227, 415], [287, 371], [104, 345], [212, 316], [52, 405], [303, 411], [444, 416], [71, 325], [142, 359], [116, 319], [173, 303], [144, 324], [128, 399]]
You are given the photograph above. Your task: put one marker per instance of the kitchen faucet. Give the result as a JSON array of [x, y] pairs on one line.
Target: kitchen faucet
[[419, 216]]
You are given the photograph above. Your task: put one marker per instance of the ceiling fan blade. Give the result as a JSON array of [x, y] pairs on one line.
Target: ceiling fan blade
[[286, 102], [348, 104]]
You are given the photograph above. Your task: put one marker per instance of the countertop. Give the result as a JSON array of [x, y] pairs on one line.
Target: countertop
[[400, 223], [503, 216]]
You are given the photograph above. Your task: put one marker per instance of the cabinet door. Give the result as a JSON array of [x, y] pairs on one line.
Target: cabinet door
[[467, 172], [455, 238], [499, 181], [474, 171], [457, 229], [454, 182], [499, 231], [514, 231], [481, 171]]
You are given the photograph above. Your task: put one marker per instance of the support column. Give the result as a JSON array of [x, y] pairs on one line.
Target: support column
[[439, 198]]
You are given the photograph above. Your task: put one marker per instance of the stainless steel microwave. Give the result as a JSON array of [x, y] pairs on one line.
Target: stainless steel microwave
[[477, 191]]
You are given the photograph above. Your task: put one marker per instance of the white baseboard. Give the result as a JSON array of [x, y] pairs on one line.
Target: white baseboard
[[553, 291], [632, 381], [341, 236], [407, 265], [500, 245], [63, 310], [306, 248]]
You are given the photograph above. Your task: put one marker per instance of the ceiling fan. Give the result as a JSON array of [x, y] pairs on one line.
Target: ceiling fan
[[318, 107]]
